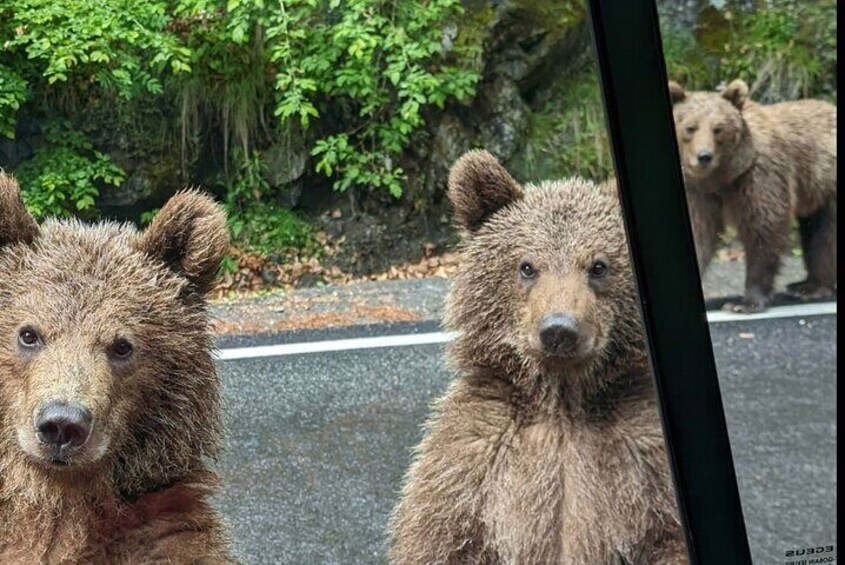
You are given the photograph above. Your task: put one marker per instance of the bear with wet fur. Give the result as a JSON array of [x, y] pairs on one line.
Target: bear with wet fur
[[109, 400], [548, 446], [756, 167]]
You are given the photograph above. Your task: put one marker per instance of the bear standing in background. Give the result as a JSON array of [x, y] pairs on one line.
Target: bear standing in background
[[755, 167], [109, 402], [548, 447]]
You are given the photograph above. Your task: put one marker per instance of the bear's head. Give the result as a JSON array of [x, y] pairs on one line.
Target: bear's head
[[105, 344], [544, 287], [710, 128]]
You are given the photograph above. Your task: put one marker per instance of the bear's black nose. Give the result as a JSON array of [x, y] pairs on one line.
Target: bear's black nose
[[704, 157], [559, 334], [63, 425]]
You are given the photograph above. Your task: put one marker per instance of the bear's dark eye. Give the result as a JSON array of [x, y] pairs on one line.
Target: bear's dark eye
[[29, 338], [527, 270], [717, 130], [122, 349], [691, 129], [598, 270]]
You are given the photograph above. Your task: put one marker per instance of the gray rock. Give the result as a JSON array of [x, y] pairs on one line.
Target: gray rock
[[451, 139], [680, 15], [502, 133], [137, 186], [145, 179], [513, 63], [286, 161], [14, 151], [450, 32]]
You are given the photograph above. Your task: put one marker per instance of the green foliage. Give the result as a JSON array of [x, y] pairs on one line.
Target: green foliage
[[358, 167], [62, 57], [229, 265], [264, 227], [148, 216], [118, 45], [359, 75], [259, 224], [231, 78], [363, 71], [62, 178], [12, 96], [581, 132], [787, 51], [569, 135], [686, 62], [784, 49], [381, 62]]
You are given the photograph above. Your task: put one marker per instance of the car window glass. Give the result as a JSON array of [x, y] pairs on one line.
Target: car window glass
[[753, 88]]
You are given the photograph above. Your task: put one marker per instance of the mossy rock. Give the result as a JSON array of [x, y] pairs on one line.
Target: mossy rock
[[485, 28]]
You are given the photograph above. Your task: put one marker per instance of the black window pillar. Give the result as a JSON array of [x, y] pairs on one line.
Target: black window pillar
[[634, 85]]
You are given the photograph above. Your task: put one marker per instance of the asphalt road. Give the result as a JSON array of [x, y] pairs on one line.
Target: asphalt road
[[318, 443]]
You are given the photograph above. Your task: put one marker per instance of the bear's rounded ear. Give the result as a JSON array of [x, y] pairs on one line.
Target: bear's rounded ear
[[478, 187], [736, 93], [190, 236], [16, 224], [676, 92]]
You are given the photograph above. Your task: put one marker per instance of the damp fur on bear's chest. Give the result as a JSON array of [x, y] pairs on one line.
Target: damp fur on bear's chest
[[579, 487]]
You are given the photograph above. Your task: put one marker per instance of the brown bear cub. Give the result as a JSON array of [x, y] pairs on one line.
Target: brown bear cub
[[109, 401], [756, 166], [548, 447]]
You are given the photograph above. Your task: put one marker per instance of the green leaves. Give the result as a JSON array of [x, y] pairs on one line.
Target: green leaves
[[12, 95], [339, 158], [255, 220], [382, 62], [784, 49], [62, 178], [360, 75], [114, 42]]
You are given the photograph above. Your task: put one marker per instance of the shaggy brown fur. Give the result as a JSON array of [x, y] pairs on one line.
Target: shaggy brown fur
[[767, 163], [535, 457], [112, 322]]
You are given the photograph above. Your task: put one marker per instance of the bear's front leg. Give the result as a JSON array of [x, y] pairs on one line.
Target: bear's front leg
[[707, 221], [762, 208], [435, 525], [760, 271], [437, 520]]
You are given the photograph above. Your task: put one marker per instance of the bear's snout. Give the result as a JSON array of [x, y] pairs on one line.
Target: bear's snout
[[704, 157], [61, 426], [559, 334]]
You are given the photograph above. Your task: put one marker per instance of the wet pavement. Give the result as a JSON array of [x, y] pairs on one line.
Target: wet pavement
[[318, 443]]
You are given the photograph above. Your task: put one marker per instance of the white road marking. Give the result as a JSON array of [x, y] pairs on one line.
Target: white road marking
[[333, 345], [231, 354], [791, 311]]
